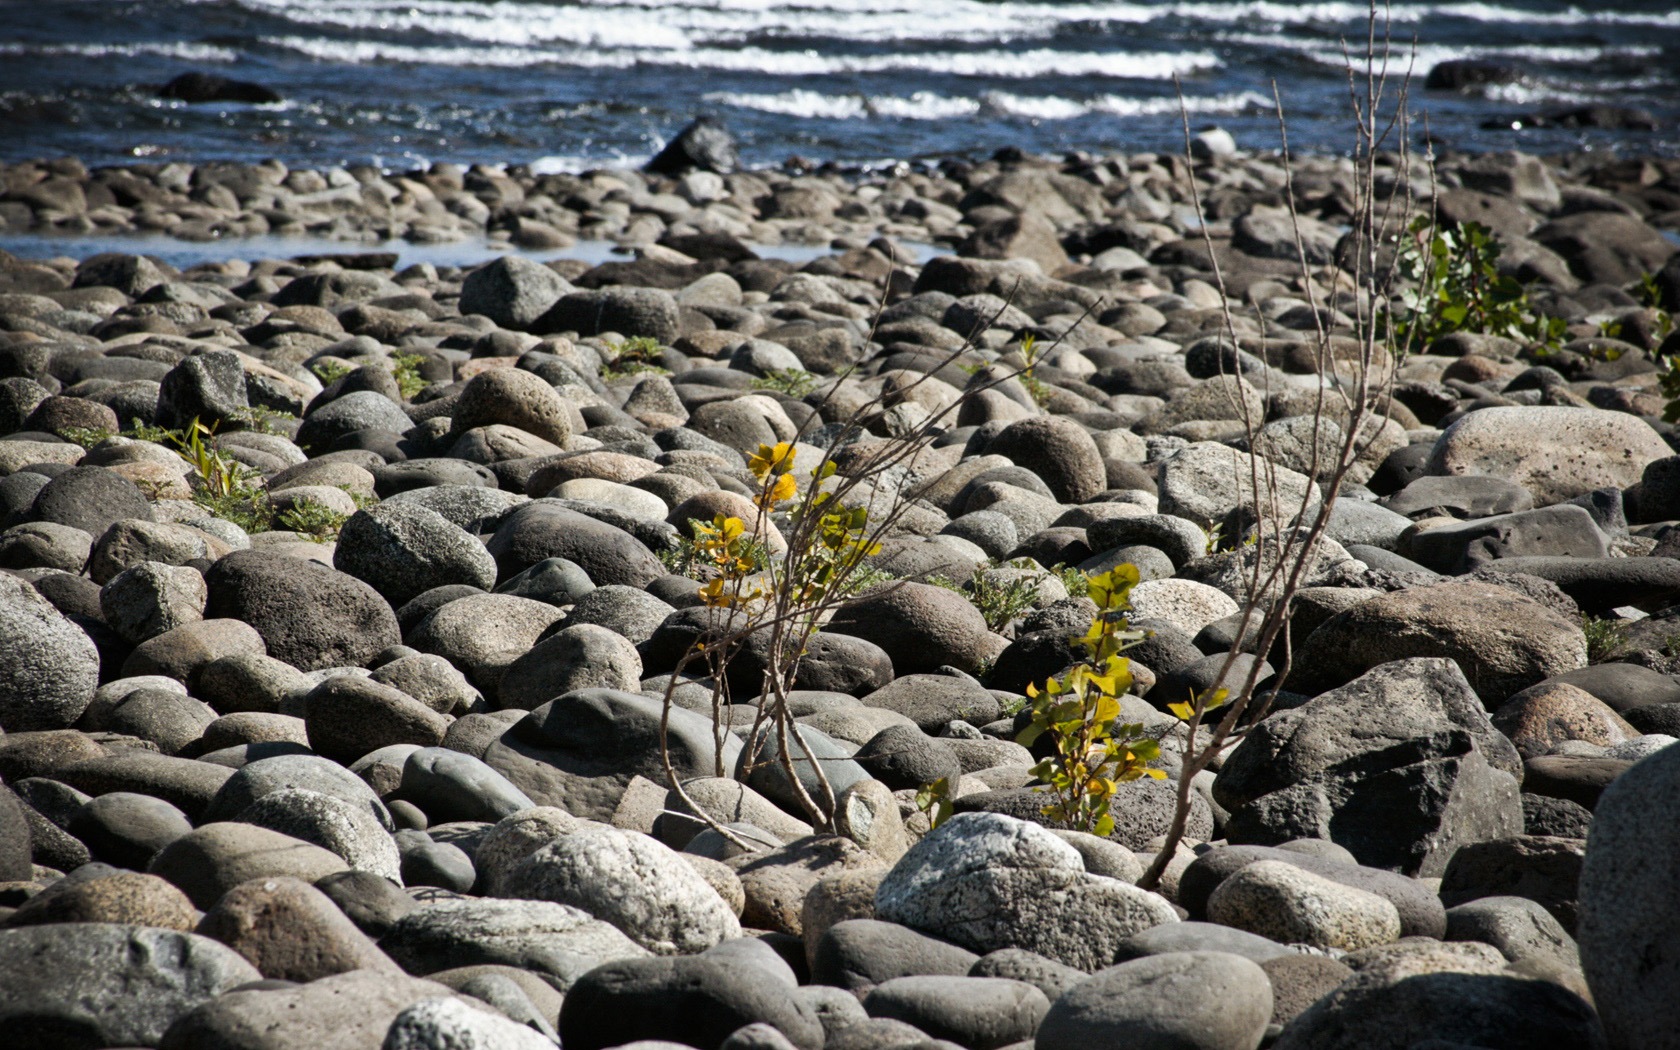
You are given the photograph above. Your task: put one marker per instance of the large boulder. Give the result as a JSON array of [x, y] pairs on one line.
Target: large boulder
[[291, 931], [49, 668], [403, 550], [1207, 1000], [208, 387], [90, 984], [1059, 451], [1400, 766], [215, 858], [632, 881], [543, 529], [512, 291], [555, 941], [650, 313], [515, 398], [1205, 481], [580, 751], [920, 626], [1499, 654], [694, 1001], [703, 145], [309, 615], [347, 1011], [1557, 453], [987, 881], [1629, 912]]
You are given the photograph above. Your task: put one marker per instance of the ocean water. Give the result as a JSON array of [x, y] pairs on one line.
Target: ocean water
[[569, 85]]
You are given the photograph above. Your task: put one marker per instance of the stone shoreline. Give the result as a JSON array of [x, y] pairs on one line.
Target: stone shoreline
[[387, 778]]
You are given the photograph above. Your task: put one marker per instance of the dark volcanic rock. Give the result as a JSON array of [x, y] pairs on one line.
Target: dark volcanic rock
[[310, 616]]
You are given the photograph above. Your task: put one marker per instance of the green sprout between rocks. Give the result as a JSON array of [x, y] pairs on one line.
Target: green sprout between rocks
[[87, 437], [329, 371], [998, 600], [313, 521], [794, 382], [934, 800], [405, 368], [1606, 638], [1078, 711], [635, 356]]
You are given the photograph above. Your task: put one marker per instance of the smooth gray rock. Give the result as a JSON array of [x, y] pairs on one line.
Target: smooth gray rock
[[1520, 928], [983, 1013], [308, 772], [402, 550], [580, 657], [987, 881], [555, 941], [1420, 998], [858, 954], [346, 828], [697, 1000], [104, 984], [1421, 912], [580, 751], [49, 668], [451, 786], [1200, 1000], [1629, 922], [632, 881]]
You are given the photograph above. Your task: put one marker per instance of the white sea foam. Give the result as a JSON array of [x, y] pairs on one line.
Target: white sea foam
[[622, 28], [183, 50], [929, 106], [1423, 57], [923, 105], [1002, 64]]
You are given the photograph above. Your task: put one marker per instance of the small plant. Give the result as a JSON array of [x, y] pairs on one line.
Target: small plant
[[1030, 354], [1606, 638], [405, 368], [998, 600], [329, 371], [260, 419], [87, 437], [1670, 388], [222, 485], [147, 432], [1453, 284], [794, 382], [313, 521], [1651, 297], [1076, 581], [1092, 755], [633, 357], [935, 800]]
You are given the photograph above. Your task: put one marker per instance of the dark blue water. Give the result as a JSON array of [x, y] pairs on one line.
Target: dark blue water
[[399, 82]]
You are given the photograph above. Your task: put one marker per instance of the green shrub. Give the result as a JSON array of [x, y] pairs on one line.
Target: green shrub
[[1453, 284]]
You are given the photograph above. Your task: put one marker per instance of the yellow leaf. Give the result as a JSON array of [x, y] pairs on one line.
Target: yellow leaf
[[1181, 711], [776, 459]]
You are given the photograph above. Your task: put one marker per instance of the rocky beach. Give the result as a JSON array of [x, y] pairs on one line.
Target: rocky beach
[[350, 609]]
